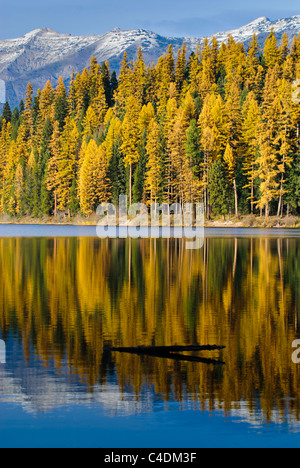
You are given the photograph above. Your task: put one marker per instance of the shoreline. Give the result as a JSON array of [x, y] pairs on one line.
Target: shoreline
[[210, 225], [245, 222]]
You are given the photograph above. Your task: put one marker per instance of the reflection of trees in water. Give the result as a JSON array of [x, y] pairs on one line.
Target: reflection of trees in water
[[77, 296]]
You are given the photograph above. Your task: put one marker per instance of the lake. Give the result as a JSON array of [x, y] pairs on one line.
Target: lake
[[67, 296]]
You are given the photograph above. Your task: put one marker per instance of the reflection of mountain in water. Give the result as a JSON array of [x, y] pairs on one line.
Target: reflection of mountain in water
[[40, 389]]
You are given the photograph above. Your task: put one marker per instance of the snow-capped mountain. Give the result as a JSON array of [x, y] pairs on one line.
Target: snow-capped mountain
[[44, 54]]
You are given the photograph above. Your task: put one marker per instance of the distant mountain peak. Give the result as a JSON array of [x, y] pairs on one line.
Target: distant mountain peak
[[37, 32], [261, 19], [44, 54]]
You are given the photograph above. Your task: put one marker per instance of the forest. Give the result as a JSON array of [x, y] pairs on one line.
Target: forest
[[220, 127]]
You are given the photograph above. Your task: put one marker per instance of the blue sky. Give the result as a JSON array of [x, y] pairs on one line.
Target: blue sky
[[167, 17]]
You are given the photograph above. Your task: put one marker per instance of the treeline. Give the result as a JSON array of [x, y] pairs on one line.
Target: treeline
[[218, 127]]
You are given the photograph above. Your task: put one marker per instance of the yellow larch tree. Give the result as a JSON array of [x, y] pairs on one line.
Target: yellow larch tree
[[131, 136], [175, 158], [28, 112], [139, 77], [194, 72], [286, 137], [9, 179], [267, 160], [165, 76], [5, 141], [234, 127], [213, 131], [94, 186], [125, 84], [99, 104], [153, 180], [271, 52], [90, 123], [53, 177], [206, 74], [147, 114], [113, 134], [46, 108], [67, 165], [250, 132], [18, 189], [82, 93]]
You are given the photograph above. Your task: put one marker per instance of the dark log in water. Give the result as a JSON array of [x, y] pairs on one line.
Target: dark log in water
[[171, 352], [166, 349]]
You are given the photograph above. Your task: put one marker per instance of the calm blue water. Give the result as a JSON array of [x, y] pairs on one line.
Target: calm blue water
[[13, 231], [62, 301], [41, 408]]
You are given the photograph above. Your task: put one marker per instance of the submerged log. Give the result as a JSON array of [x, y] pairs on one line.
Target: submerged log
[[165, 349], [171, 352]]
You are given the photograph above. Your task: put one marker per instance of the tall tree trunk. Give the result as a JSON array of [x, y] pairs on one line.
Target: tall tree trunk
[[208, 194], [280, 196], [267, 210], [281, 187], [55, 204], [252, 191], [236, 199], [208, 205], [130, 184]]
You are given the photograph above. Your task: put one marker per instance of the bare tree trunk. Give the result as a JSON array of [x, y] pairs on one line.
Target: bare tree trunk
[[281, 192], [208, 205], [130, 184], [252, 192], [267, 210], [55, 204], [208, 197], [236, 199]]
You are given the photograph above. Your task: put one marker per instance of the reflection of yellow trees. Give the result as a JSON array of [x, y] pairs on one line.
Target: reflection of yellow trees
[[69, 298]]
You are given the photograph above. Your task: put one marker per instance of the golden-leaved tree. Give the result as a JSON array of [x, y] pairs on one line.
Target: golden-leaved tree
[[154, 176], [131, 136], [94, 185]]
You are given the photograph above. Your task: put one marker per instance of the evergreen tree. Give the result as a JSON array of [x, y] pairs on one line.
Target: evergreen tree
[[193, 155], [60, 103], [218, 189], [6, 113], [138, 188]]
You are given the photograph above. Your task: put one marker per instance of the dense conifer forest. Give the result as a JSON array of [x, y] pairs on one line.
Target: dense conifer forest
[[219, 127]]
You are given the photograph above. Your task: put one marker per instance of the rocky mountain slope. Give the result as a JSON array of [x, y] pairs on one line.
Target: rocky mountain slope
[[44, 54]]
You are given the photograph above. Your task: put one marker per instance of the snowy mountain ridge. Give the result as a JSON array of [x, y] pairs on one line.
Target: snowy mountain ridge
[[44, 54]]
